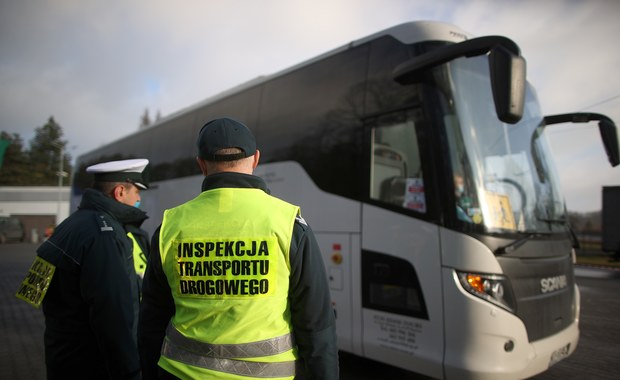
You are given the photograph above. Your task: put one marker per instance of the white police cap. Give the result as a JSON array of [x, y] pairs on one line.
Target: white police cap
[[133, 171]]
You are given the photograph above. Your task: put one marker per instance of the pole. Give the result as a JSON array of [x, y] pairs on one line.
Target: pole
[[60, 175]]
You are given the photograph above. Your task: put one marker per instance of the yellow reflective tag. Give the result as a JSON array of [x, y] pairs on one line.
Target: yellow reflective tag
[[36, 283]]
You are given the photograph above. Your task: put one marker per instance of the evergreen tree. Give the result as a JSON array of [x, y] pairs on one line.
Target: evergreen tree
[[15, 170], [47, 149], [4, 143], [145, 120]]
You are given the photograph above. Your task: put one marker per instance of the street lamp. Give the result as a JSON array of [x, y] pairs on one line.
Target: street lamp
[[61, 174]]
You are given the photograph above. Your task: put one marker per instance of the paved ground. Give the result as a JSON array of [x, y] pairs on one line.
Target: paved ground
[[21, 329], [21, 326]]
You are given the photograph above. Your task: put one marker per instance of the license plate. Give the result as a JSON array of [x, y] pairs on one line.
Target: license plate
[[559, 354]]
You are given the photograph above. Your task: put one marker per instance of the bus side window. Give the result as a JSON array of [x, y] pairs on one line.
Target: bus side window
[[391, 284], [396, 177]]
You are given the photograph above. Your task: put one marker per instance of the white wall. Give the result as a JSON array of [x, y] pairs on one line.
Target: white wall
[[35, 200]]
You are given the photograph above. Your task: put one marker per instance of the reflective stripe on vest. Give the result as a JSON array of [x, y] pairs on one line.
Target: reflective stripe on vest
[[219, 357], [265, 347]]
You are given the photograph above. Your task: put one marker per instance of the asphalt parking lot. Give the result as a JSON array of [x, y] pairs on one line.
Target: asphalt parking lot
[[596, 357]]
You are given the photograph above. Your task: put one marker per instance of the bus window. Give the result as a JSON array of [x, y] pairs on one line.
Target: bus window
[[396, 174], [391, 284]]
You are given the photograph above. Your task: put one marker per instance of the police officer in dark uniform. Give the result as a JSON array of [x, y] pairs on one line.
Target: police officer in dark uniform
[[91, 306], [218, 332]]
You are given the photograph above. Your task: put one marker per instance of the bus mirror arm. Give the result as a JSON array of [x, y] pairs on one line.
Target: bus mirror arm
[[507, 70], [535, 155], [606, 127], [573, 238]]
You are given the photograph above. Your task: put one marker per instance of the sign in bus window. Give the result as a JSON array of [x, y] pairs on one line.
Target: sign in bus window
[[414, 195], [499, 212]]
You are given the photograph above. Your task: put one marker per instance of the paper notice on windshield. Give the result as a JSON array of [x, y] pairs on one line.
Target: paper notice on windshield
[[500, 211]]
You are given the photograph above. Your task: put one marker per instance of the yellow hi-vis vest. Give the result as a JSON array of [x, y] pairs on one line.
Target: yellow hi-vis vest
[[139, 258], [226, 257]]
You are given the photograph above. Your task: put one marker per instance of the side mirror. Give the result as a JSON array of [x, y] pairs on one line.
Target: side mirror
[[610, 141], [507, 83]]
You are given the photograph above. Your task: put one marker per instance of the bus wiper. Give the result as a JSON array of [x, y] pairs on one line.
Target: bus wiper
[[514, 245]]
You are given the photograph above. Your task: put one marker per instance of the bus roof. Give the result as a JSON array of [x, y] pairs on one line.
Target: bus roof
[[407, 33]]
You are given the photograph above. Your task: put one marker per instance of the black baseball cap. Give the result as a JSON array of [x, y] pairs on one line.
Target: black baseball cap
[[225, 133]]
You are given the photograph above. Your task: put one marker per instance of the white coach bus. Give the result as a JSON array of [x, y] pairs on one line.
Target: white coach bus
[[418, 157]]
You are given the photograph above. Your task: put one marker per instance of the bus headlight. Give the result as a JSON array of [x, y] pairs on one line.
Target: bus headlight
[[493, 288]]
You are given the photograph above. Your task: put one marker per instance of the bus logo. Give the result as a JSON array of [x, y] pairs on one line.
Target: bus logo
[[552, 284]]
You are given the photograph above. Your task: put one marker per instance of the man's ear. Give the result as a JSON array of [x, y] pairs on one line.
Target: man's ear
[[203, 165], [118, 192], [256, 159]]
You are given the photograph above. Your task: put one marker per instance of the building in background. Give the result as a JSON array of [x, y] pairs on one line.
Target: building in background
[[37, 207]]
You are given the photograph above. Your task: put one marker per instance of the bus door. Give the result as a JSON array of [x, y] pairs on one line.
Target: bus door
[[402, 315], [336, 222]]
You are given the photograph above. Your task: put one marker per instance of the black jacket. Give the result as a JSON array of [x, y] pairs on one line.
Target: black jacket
[[312, 315], [92, 303]]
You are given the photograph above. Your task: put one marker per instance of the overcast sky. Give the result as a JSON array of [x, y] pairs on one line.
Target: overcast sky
[[97, 65]]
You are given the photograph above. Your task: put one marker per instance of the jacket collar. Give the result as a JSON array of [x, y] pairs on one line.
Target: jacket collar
[[234, 180], [98, 201]]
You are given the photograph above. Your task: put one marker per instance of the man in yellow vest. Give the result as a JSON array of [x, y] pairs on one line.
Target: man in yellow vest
[[235, 287]]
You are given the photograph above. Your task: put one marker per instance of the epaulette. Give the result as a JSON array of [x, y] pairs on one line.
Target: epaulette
[[301, 220], [104, 225]]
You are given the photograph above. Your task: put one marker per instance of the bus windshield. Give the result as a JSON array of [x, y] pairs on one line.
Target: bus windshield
[[504, 178]]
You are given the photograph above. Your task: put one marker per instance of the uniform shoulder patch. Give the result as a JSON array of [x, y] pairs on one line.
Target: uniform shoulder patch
[[104, 225], [37, 281], [301, 220]]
